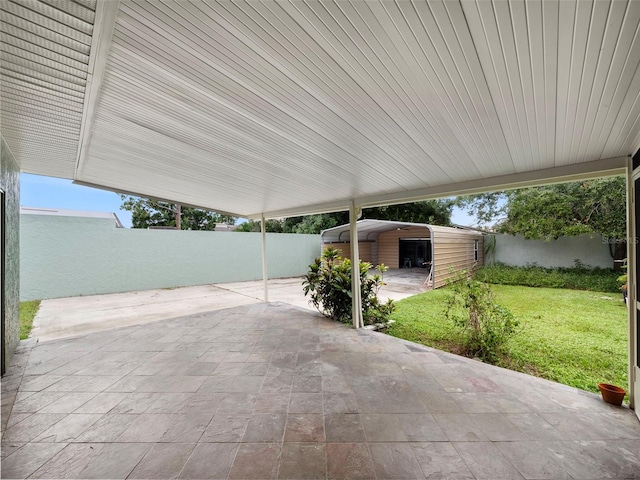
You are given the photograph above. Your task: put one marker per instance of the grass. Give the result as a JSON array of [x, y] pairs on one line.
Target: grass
[[28, 312], [578, 338]]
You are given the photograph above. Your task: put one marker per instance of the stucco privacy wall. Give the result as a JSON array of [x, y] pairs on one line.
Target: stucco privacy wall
[[10, 185], [69, 256], [516, 250]]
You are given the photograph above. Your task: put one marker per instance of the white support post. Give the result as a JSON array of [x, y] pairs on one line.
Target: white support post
[[263, 231], [356, 294], [632, 305]]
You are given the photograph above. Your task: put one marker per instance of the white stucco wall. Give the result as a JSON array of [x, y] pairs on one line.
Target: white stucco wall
[[63, 256], [516, 250]]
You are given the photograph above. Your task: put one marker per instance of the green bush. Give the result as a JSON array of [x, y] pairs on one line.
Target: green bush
[[328, 283], [485, 324], [580, 277]]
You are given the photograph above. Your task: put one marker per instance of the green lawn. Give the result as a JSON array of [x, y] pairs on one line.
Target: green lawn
[[28, 312], [578, 338]]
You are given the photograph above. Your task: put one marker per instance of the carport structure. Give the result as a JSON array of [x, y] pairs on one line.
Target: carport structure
[[277, 109], [441, 251]]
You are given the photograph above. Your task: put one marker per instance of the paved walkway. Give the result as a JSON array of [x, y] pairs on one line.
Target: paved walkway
[[274, 391], [65, 317]]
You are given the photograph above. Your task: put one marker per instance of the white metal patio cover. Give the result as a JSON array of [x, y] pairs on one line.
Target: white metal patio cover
[[279, 108]]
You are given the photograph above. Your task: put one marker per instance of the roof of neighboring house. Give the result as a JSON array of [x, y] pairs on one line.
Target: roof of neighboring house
[[70, 213], [225, 227], [369, 229]]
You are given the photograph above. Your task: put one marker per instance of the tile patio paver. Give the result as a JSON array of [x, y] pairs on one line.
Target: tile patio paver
[[70, 461], [28, 459], [349, 461], [210, 460], [486, 462], [343, 428], [164, 460], [256, 461], [274, 391], [303, 461], [115, 460], [441, 460]]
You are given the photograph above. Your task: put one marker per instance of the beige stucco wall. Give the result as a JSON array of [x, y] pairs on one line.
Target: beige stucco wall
[[389, 243]]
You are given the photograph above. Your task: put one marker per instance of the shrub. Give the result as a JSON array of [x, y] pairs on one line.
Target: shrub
[[486, 325], [328, 284], [579, 277]]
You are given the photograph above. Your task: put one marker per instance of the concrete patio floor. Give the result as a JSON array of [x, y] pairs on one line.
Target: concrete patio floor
[[275, 391]]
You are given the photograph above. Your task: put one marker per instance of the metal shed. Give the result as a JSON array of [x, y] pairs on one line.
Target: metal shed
[[441, 251]]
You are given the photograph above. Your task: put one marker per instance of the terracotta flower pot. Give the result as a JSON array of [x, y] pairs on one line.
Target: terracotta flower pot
[[612, 394]]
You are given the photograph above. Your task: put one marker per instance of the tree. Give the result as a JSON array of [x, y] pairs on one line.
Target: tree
[[432, 212], [152, 213], [306, 224], [317, 223], [552, 211], [437, 212], [271, 225]]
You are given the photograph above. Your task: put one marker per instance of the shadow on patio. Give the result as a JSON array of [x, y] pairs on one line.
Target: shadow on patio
[[274, 391]]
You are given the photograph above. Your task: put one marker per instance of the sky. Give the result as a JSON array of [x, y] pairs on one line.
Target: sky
[[49, 192]]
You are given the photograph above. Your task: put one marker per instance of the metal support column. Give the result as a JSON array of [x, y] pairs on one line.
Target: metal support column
[[263, 231], [356, 293], [632, 300]]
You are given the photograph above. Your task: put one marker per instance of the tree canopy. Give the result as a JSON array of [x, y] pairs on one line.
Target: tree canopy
[[147, 213], [306, 224], [437, 212], [432, 212], [552, 211]]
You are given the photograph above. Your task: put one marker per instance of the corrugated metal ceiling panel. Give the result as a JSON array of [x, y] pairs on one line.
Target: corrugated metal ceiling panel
[[256, 107], [44, 54], [253, 107]]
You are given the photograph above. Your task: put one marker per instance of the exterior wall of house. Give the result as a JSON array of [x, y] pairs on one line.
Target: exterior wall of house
[[363, 247], [63, 256], [10, 185], [563, 252], [389, 243], [454, 250]]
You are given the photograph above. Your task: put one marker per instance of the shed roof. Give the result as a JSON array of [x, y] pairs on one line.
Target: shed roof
[[369, 229], [286, 108]]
